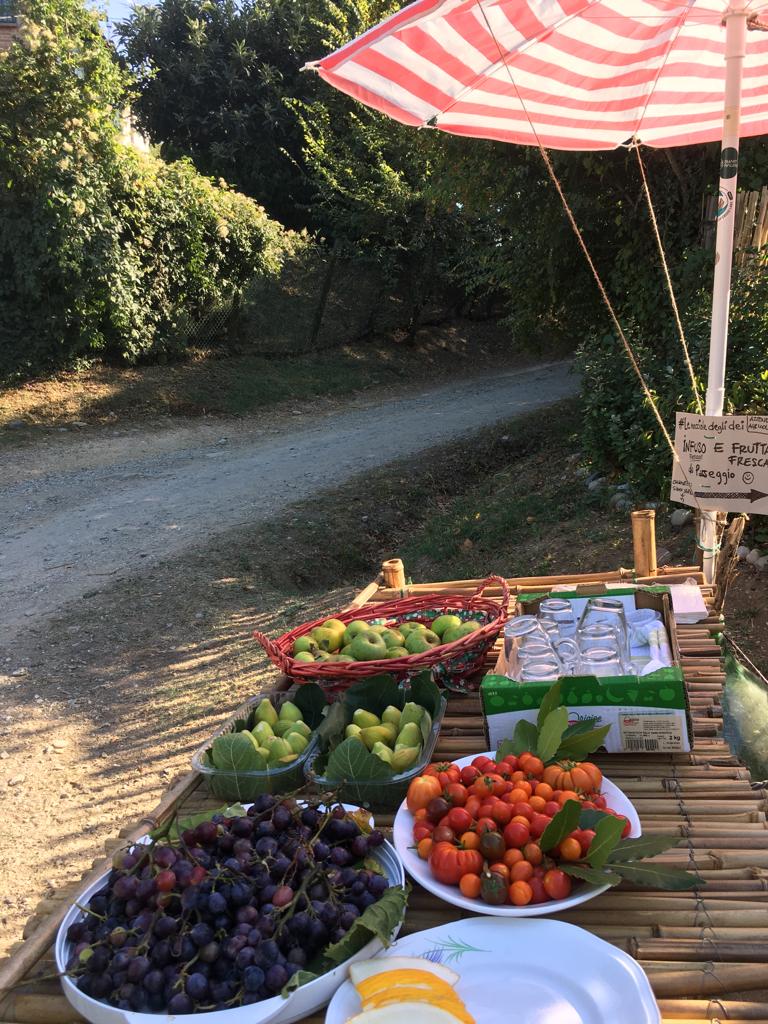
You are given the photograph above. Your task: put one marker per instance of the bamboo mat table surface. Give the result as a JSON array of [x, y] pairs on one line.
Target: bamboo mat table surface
[[705, 951]]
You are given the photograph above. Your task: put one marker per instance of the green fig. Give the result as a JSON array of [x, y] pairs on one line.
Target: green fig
[[265, 712], [296, 742], [365, 719], [411, 713], [409, 736], [300, 727], [305, 645], [443, 622], [378, 734], [264, 752], [392, 715], [282, 725], [262, 730], [352, 730], [404, 757], [287, 759], [278, 748], [289, 712], [383, 752]]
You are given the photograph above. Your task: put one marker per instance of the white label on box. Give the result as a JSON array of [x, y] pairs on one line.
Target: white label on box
[[649, 733]]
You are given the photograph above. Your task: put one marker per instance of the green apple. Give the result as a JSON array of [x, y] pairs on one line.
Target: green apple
[[410, 627], [409, 736], [352, 731], [420, 641], [304, 656], [347, 649], [341, 657], [368, 646], [392, 715], [323, 656], [443, 622], [393, 638], [335, 624], [289, 712], [296, 742], [365, 719], [305, 645], [404, 757], [262, 730], [353, 629], [383, 752], [397, 652], [265, 712], [327, 639]]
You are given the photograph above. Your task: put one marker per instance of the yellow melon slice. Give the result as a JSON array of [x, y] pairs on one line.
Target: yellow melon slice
[[368, 968], [414, 979], [397, 1012]]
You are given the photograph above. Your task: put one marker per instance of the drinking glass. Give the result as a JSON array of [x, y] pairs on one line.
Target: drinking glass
[[567, 651], [520, 626], [540, 670], [607, 611], [559, 611], [601, 661]]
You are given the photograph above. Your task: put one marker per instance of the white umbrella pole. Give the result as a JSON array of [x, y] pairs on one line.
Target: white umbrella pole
[[735, 49]]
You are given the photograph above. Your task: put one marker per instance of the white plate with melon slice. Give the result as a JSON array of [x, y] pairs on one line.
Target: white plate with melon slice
[[492, 971]]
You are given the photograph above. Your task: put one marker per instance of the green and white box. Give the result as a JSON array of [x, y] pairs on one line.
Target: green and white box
[[646, 714]]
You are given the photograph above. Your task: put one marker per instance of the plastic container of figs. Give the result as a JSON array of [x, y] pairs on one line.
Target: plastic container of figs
[[245, 786], [380, 794], [302, 1002]]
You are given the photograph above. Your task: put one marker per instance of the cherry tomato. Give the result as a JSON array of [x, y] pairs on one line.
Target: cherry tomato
[[500, 868], [522, 809], [485, 825], [437, 808], [443, 834], [486, 809], [516, 834], [448, 863], [510, 763], [420, 815], [570, 848], [423, 789], [459, 819], [520, 893], [492, 846], [512, 857], [627, 826], [480, 762], [538, 823], [566, 794], [533, 853], [502, 813], [468, 774], [488, 785], [551, 807], [422, 831], [455, 794], [473, 805], [601, 802], [585, 837], [532, 766], [469, 886], [445, 771], [538, 803], [544, 790], [493, 888], [557, 884], [424, 848], [521, 872], [588, 805], [538, 890], [470, 840]]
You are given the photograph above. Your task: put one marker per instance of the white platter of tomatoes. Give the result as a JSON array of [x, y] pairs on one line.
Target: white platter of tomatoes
[[469, 831]]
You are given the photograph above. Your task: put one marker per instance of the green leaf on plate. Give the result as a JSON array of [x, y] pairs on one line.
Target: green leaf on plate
[[657, 876], [551, 733], [523, 738], [296, 981], [591, 875], [377, 921], [590, 817], [311, 700], [552, 699], [643, 846], [607, 835], [579, 745], [178, 825], [351, 761], [563, 823]]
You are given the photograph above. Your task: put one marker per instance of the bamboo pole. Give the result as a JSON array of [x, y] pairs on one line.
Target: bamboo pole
[[644, 541], [711, 980], [394, 573]]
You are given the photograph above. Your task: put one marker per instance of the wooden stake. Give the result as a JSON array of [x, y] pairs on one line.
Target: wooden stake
[[644, 541], [394, 573], [727, 560]]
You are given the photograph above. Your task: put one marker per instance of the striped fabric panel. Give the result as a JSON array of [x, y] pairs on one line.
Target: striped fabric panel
[[571, 74]]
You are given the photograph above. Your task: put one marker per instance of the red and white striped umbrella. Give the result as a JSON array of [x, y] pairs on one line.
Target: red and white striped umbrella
[[569, 74]]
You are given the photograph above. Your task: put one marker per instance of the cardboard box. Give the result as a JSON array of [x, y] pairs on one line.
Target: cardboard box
[[647, 714]]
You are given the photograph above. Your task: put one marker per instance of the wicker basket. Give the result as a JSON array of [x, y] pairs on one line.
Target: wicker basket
[[451, 663]]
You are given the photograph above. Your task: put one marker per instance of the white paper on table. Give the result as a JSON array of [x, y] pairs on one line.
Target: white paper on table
[[687, 602]]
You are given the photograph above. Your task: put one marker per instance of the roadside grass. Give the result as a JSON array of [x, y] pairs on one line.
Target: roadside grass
[[212, 382]]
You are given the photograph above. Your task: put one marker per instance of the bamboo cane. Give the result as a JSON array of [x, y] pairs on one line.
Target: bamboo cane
[[721, 978]]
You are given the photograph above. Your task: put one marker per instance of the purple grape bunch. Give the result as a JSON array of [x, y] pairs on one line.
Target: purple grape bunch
[[229, 913]]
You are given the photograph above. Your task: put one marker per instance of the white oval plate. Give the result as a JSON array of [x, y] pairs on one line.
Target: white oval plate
[[300, 1003], [402, 837], [537, 972]]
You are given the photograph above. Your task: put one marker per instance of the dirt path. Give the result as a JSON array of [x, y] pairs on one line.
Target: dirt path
[[78, 511]]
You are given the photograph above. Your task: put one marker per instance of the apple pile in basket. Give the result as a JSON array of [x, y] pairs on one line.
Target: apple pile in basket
[[361, 641], [529, 826]]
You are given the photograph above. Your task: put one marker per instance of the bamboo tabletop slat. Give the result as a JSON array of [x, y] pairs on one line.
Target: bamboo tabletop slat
[[705, 952]]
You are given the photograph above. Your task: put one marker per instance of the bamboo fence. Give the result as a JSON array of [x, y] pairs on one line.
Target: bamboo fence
[[704, 951]]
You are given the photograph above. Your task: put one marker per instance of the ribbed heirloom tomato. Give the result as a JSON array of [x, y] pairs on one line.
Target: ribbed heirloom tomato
[[582, 776], [445, 771], [421, 791], [448, 863]]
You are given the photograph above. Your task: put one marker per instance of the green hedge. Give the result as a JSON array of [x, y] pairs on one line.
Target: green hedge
[[104, 251]]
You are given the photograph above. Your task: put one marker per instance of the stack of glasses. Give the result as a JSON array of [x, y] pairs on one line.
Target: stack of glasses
[[556, 643]]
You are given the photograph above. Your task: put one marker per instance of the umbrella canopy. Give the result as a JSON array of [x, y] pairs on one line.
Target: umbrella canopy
[[566, 74]]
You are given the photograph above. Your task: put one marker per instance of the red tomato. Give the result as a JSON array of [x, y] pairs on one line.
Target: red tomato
[[585, 837], [459, 819], [448, 863], [557, 884], [523, 809], [443, 834], [455, 794], [538, 890], [627, 826], [520, 893], [468, 775], [487, 786], [551, 807], [485, 825], [538, 823], [510, 761], [445, 771], [481, 762], [501, 813], [423, 789], [473, 805], [422, 830], [486, 809], [533, 854], [516, 834]]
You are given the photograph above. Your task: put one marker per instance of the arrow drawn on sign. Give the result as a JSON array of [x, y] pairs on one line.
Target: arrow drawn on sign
[[752, 495]]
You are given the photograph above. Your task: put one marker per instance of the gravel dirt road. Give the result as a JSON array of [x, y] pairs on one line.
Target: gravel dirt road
[[79, 509]]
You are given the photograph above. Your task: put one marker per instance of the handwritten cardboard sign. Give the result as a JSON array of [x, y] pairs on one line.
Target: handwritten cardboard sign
[[723, 463]]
